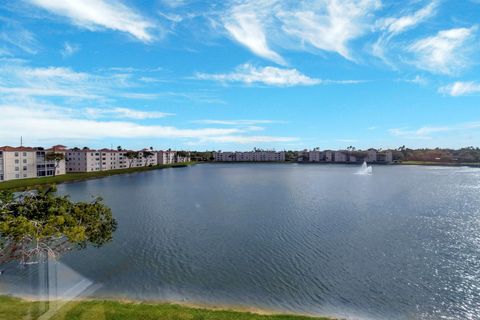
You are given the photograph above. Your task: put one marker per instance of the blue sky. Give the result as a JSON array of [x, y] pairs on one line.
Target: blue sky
[[231, 75]]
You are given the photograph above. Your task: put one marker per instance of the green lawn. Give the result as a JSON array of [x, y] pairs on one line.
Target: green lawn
[[24, 184], [16, 309]]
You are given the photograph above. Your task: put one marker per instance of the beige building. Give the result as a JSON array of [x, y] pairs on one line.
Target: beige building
[[249, 156], [27, 162], [166, 157], [88, 160]]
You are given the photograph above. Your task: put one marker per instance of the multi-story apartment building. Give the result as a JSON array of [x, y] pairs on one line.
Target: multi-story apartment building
[[253, 156], [83, 160], [88, 160], [27, 162], [371, 155], [166, 157], [340, 156], [46, 168], [316, 156]]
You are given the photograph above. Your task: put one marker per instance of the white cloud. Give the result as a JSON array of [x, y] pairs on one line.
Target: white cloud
[[241, 139], [237, 122], [245, 26], [125, 113], [401, 24], [42, 122], [96, 14], [393, 26], [328, 25], [69, 49], [21, 80], [446, 52], [460, 88], [45, 123], [271, 76], [13, 36], [422, 133], [427, 132]]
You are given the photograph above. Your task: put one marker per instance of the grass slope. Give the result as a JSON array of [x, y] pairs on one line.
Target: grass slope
[[17, 309], [24, 184]]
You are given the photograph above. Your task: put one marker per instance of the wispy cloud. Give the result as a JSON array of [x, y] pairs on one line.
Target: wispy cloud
[[97, 14], [237, 122], [14, 37], [44, 123], [242, 139], [396, 25], [244, 24], [460, 88], [125, 113], [326, 25], [69, 49], [391, 27], [445, 53], [271, 76], [427, 132]]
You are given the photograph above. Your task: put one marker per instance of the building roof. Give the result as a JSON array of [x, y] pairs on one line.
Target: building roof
[[8, 148]]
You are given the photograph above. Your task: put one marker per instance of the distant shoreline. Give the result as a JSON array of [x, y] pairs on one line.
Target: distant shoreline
[[400, 163]]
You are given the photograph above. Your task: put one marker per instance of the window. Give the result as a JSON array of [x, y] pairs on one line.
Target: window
[[24, 154], [17, 161], [24, 168], [17, 175], [16, 154], [24, 175], [17, 169], [24, 160]]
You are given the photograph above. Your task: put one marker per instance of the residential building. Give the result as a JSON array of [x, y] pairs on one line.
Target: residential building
[[166, 157], [328, 156], [249, 156], [316, 156], [340, 156], [371, 155], [27, 162], [83, 160]]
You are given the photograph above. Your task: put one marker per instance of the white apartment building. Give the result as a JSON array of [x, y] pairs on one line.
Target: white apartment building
[[340, 156], [46, 168], [27, 162], [316, 156], [328, 156], [166, 157], [88, 160], [83, 160], [371, 155], [250, 156]]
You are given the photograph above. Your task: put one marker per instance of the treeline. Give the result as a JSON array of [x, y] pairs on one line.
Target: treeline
[[463, 155]]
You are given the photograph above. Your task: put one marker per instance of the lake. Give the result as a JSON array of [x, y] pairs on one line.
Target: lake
[[402, 243]]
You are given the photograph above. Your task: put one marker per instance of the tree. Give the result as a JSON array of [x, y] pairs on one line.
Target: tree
[[37, 225], [131, 156], [56, 157], [119, 148], [147, 154]]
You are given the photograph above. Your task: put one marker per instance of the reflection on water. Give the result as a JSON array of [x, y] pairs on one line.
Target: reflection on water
[[403, 243]]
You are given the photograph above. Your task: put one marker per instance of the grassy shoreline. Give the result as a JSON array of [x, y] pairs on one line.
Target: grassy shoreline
[[18, 309], [440, 164], [32, 183]]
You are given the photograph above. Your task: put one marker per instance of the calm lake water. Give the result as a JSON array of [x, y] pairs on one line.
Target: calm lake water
[[403, 243]]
